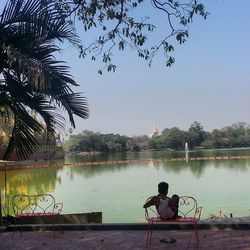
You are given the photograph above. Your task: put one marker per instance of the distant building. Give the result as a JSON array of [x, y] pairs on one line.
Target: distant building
[[154, 132]]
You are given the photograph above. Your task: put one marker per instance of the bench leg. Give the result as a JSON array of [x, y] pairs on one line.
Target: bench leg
[[55, 222], [20, 228], [196, 233], [149, 235], [13, 230]]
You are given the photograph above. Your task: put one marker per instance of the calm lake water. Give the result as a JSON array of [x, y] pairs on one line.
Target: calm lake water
[[119, 190]]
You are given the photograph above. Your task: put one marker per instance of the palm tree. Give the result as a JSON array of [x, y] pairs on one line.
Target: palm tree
[[31, 79]]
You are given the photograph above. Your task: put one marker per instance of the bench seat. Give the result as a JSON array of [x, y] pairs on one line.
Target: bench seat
[[177, 220]]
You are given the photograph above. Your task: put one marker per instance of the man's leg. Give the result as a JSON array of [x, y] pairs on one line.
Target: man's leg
[[175, 203]]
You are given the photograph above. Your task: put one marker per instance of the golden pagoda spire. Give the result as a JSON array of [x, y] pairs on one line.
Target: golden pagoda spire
[[154, 131]]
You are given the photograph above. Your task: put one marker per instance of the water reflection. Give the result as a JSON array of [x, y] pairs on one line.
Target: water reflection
[[241, 165], [110, 157], [197, 168], [32, 181], [220, 152], [92, 171]]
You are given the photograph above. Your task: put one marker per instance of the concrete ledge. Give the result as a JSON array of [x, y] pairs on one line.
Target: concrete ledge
[[131, 226], [80, 218]]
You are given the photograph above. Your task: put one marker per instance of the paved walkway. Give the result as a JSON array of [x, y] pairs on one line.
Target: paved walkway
[[125, 239]]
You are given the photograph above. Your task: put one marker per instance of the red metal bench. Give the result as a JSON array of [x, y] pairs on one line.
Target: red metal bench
[[188, 210], [26, 207]]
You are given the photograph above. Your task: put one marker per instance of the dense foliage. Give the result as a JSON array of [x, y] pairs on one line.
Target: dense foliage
[[237, 135], [89, 141]]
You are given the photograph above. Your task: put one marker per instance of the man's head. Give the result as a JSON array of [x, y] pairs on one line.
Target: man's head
[[163, 188]]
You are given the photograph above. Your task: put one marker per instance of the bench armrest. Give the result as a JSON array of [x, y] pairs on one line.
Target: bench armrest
[[58, 208], [146, 214], [151, 214]]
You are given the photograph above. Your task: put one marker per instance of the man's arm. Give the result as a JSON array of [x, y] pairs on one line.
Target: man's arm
[[151, 202]]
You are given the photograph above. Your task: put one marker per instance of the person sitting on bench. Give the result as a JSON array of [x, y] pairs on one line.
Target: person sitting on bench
[[166, 207]]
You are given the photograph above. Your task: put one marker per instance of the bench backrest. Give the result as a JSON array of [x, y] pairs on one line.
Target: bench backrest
[[188, 207], [40, 203]]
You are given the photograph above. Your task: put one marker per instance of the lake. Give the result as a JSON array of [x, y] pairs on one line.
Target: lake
[[120, 190]]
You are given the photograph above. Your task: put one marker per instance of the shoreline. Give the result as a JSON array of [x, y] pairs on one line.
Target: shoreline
[[45, 164]]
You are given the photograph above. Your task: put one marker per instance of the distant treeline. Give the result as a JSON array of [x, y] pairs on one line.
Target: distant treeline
[[237, 135]]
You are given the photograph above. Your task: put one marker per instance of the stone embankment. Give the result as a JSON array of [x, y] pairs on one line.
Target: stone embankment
[[16, 165]]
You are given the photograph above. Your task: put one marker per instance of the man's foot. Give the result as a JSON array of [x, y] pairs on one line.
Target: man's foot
[[171, 241]]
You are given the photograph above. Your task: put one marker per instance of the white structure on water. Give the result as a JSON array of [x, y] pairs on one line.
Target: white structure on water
[[186, 152], [154, 131]]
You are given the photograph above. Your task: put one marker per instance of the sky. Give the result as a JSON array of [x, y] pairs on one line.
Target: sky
[[208, 83]]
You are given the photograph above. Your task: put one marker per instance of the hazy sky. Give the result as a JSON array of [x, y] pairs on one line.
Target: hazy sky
[[208, 83]]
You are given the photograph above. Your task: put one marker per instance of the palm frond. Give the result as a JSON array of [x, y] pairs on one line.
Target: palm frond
[[53, 80], [40, 20], [23, 140], [37, 102], [74, 104], [52, 119]]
